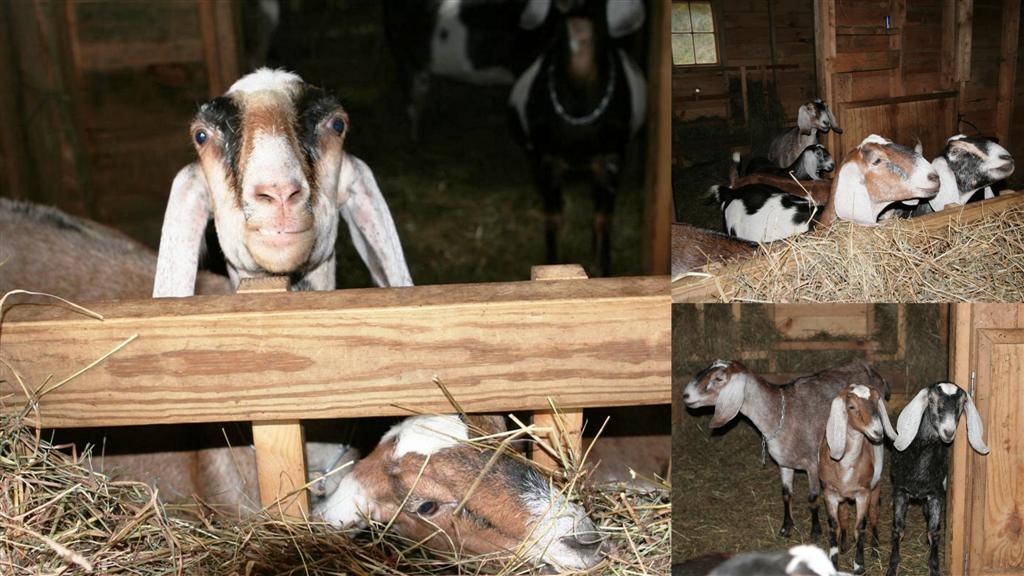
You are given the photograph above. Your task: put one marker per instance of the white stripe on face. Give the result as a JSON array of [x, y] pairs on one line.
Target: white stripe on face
[[948, 388], [861, 390], [348, 506], [426, 435]]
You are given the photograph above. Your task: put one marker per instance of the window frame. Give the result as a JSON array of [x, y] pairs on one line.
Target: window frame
[[718, 41]]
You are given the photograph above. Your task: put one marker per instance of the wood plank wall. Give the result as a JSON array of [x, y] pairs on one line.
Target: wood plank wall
[[746, 39]]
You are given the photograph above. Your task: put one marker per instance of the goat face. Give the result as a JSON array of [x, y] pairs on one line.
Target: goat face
[[816, 116], [941, 405], [825, 161], [703, 390], [877, 173], [977, 162], [860, 408], [422, 474]]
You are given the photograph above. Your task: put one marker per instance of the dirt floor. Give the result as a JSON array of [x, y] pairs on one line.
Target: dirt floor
[[724, 499]]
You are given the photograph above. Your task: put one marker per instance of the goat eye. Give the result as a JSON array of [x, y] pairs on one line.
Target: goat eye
[[428, 508], [200, 136], [876, 162], [850, 407], [338, 125]]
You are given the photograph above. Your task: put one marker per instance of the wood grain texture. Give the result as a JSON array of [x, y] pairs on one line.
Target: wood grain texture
[[281, 466], [349, 353]]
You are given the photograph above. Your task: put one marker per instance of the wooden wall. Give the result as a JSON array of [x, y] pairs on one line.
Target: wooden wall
[[749, 32]]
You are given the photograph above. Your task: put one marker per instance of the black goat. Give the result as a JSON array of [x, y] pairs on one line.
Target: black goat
[[576, 107], [920, 463]]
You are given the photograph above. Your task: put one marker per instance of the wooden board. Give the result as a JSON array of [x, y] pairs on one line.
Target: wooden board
[[904, 120], [795, 321], [349, 353]]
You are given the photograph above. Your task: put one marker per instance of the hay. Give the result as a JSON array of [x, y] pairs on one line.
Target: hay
[[59, 516], [966, 261]]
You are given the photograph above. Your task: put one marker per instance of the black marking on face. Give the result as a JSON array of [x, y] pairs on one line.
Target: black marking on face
[[703, 374], [965, 165], [313, 107], [223, 114]]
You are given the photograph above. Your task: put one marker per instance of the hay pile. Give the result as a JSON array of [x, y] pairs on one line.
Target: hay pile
[[977, 261]]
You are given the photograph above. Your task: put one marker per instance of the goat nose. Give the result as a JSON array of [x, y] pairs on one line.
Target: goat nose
[[933, 177], [1006, 157], [283, 193]]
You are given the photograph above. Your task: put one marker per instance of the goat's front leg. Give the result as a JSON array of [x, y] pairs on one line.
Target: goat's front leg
[[933, 513], [814, 490], [832, 507], [874, 505], [863, 501], [787, 495], [899, 514], [547, 174], [605, 181]]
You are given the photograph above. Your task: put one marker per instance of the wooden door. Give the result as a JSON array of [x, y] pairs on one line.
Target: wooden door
[[985, 514]]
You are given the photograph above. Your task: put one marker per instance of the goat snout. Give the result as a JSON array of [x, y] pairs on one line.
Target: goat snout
[[690, 395], [282, 192]]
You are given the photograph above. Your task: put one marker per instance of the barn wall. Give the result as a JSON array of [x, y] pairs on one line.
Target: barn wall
[[746, 30]]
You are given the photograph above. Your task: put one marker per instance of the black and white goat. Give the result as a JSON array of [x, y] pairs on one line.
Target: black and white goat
[[577, 106], [797, 561], [813, 117], [967, 169], [813, 163], [920, 463], [791, 418]]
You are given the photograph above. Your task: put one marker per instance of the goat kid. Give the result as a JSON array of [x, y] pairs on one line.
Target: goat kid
[[873, 175], [694, 247], [813, 163], [791, 418], [274, 176], [851, 457], [920, 463], [423, 474], [575, 109], [797, 561], [812, 118]]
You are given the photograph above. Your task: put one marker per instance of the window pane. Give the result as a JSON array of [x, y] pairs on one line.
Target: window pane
[[702, 19], [682, 49], [704, 48], [681, 17]]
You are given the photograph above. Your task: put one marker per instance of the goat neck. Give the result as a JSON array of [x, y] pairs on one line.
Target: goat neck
[[762, 404]]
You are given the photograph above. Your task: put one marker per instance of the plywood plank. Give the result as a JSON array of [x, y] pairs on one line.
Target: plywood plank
[[349, 353]]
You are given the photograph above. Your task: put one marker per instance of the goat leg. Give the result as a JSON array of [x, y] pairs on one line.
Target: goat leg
[[812, 500], [832, 504], [419, 86], [787, 496], [605, 181], [933, 512], [863, 502], [873, 510], [899, 513], [548, 176]]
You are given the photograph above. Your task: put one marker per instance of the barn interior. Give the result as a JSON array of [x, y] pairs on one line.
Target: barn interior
[[726, 494], [908, 70]]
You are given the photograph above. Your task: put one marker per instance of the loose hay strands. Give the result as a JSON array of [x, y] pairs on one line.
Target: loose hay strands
[[58, 516], [980, 260]]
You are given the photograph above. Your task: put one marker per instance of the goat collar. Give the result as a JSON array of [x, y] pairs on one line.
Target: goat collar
[[765, 438], [594, 114]]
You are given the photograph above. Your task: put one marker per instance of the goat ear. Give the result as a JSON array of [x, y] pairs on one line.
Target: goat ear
[[188, 211], [729, 402], [535, 13], [910, 420], [351, 504], [975, 429], [835, 429], [876, 475], [487, 423], [369, 223], [805, 118], [919, 147], [886, 424], [832, 120], [624, 17]]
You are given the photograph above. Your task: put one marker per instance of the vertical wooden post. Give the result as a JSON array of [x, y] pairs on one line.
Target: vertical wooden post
[[825, 54], [571, 420], [280, 461], [220, 47], [743, 91], [658, 182], [1007, 70]]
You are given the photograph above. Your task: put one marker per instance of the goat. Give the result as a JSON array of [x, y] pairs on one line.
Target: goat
[[813, 117], [966, 167], [873, 175], [273, 174], [850, 471], [812, 164], [695, 247], [920, 463], [797, 561], [576, 107], [791, 418], [423, 476]]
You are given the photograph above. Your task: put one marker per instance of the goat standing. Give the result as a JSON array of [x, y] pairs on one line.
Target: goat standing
[[813, 117], [920, 464], [576, 107]]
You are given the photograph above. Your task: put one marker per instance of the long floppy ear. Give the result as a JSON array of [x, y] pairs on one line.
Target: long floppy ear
[[876, 474], [729, 402], [975, 429], [910, 420], [624, 17], [886, 424], [188, 211], [486, 424], [832, 120], [805, 119], [369, 222], [534, 14], [835, 429]]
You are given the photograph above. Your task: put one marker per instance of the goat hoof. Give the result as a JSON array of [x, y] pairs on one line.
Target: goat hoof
[[858, 569], [784, 531]]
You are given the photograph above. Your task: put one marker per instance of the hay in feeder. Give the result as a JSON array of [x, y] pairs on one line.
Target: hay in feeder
[[59, 516], [964, 260]]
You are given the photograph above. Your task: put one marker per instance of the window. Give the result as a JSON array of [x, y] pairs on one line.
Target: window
[[693, 34]]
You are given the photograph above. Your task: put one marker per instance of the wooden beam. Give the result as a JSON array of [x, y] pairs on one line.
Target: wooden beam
[[964, 29], [1007, 71], [348, 353], [658, 184], [824, 61]]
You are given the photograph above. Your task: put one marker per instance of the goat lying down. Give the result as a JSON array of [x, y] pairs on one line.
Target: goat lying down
[[813, 163], [791, 418], [920, 462], [274, 176], [812, 118], [873, 175], [797, 561], [850, 458]]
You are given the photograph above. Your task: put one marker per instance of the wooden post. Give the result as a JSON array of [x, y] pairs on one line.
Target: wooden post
[[220, 48], [571, 421], [1007, 70], [825, 54], [280, 461], [658, 182], [743, 91]]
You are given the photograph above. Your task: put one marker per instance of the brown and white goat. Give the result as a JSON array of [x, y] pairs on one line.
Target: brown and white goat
[[851, 456], [694, 247], [274, 176], [791, 418], [438, 488], [813, 117]]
